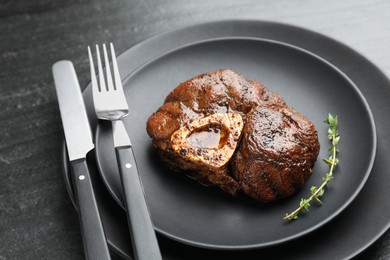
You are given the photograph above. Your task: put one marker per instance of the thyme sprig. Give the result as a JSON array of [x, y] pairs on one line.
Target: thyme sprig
[[332, 161]]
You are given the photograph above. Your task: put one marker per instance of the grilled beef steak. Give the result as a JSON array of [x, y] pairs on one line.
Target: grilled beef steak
[[227, 131], [276, 155]]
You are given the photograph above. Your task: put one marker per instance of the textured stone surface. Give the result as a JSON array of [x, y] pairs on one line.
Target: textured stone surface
[[37, 220]]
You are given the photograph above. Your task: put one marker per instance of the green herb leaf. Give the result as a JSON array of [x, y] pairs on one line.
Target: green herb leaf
[[327, 161], [332, 161], [305, 204]]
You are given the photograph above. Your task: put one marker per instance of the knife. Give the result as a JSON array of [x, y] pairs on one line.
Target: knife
[[79, 142]]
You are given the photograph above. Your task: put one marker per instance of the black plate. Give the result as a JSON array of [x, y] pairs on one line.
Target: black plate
[[188, 212], [355, 232]]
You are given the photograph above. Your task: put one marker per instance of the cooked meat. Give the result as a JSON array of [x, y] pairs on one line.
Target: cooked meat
[[276, 155], [205, 119]]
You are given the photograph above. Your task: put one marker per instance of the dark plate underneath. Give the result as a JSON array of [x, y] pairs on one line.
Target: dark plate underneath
[[355, 232], [188, 212]]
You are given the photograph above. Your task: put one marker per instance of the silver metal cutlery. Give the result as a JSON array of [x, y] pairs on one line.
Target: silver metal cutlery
[[110, 104], [79, 142]]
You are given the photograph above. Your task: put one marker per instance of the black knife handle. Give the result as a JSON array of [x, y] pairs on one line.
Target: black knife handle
[[95, 243], [145, 245]]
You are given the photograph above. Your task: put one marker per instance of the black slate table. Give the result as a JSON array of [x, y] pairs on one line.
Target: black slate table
[[37, 219]]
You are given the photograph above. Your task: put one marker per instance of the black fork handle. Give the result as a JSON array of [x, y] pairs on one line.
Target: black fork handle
[[145, 245]]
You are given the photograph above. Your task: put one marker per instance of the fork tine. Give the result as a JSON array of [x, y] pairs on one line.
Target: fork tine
[[117, 77], [102, 83], [110, 85], [93, 73]]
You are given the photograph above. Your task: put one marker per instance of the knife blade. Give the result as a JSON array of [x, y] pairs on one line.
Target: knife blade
[[79, 142]]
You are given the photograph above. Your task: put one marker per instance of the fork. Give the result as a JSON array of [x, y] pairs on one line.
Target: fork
[[110, 104]]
